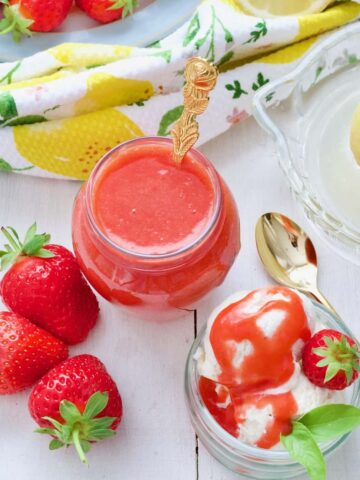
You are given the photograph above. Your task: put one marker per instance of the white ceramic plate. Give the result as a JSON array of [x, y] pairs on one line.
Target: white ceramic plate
[[153, 20]]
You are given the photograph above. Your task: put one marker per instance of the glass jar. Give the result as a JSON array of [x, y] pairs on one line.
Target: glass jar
[[247, 460], [167, 282]]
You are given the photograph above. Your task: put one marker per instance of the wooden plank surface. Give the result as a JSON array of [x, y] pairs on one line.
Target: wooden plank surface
[[155, 440]]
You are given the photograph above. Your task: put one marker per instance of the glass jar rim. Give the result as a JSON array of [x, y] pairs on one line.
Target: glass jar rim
[[232, 443], [213, 176]]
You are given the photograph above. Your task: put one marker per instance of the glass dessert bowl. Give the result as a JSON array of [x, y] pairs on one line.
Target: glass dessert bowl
[[309, 114], [152, 235], [250, 446]]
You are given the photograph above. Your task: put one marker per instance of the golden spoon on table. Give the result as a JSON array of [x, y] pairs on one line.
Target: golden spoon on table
[[288, 255]]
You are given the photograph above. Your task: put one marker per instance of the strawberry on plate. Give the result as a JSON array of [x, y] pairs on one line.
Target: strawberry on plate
[[45, 285], [22, 17], [26, 353], [330, 359], [105, 11], [77, 403]]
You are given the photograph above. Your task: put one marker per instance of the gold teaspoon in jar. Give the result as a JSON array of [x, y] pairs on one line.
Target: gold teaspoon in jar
[[200, 76]]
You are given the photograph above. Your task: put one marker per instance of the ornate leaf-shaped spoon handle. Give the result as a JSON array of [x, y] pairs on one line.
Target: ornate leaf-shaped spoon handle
[[200, 76]]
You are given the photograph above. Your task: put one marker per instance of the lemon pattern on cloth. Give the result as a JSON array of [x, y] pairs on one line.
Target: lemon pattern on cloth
[[104, 90], [77, 55], [72, 147], [105, 94]]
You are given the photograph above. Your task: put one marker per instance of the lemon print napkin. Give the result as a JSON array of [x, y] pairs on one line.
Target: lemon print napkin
[[63, 108]]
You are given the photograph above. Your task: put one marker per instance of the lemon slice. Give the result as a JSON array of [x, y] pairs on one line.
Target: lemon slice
[[355, 135], [274, 8]]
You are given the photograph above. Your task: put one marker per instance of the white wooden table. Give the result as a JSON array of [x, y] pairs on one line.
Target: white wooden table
[[155, 440]]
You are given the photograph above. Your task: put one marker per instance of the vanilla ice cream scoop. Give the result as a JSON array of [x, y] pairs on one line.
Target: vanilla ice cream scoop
[[249, 364], [267, 305]]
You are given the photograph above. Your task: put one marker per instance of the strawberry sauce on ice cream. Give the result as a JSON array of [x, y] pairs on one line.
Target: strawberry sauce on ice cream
[[249, 365]]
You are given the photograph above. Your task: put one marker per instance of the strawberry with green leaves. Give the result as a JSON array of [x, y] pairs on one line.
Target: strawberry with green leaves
[[26, 353], [45, 285], [105, 11], [77, 403], [22, 17], [330, 360]]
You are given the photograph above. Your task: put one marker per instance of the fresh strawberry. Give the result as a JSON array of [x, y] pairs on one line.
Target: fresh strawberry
[[45, 285], [105, 11], [330, 359], [26, 353], [22, 17], [77, 402]]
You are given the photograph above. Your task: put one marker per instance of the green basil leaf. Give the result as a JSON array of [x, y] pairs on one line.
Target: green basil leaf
[[303, 448], [331, 421]]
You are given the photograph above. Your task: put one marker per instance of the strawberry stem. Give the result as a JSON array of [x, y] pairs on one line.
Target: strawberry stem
[[128, 6], [79, 428], [14, 21], [77, 444], [32, 246], [9, 28]]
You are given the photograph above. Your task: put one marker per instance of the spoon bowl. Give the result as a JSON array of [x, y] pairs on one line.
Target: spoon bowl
[[288, 254]]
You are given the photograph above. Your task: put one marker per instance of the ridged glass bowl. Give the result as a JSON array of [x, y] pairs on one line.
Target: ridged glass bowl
[[318, 97], [247, 460]]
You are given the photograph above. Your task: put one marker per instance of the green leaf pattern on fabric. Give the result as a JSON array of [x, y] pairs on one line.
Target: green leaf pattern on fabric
[[165, 54], [269, 96], [6, 167], [236, 88], [27, 120], [156, 44], [260, 82], [259, 31], [193, 29], [207, 40], [168, 119], [8, 77], [225, 58], [8, 109]]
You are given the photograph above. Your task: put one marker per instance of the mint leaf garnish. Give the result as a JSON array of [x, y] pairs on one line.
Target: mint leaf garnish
[[331, 421], [319, 425], [302, 447]]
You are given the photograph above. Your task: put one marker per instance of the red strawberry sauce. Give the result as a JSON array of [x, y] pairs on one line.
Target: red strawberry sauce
[[269, 365], [147, 203]]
